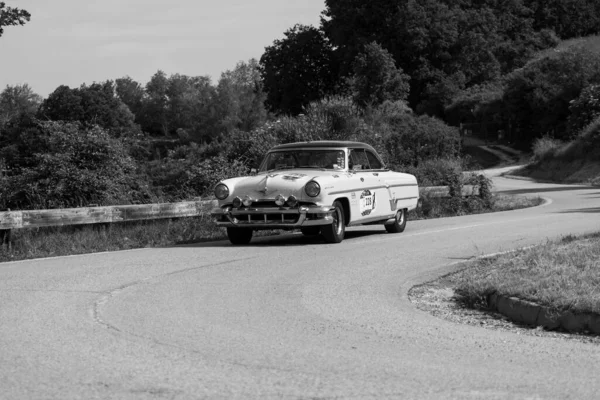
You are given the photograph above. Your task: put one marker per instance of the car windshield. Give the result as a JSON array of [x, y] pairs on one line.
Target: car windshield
[[334, 159]]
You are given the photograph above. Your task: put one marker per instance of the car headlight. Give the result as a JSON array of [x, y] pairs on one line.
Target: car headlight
[[221, 191], [237, 202], [312, 189]]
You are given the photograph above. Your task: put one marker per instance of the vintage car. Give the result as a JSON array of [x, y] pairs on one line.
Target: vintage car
[[319, 187]]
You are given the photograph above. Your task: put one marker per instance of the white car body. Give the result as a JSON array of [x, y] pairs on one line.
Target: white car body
[[366, 194]]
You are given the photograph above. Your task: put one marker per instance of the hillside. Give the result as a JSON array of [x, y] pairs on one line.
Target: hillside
[[577, 161]]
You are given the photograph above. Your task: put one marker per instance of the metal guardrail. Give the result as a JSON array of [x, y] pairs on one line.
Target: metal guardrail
[[109, 214]]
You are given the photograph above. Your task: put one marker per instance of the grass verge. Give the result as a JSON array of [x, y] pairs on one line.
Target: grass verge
[[562, 275], [81, 239], [436, 207]]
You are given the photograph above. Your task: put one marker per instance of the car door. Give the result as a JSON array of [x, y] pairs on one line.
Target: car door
[[371, 198]]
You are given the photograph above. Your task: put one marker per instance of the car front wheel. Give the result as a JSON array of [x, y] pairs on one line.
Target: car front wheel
[[399, 223], [239, 235], [334, 233]]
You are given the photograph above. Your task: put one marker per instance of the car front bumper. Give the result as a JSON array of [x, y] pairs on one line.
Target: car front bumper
[[273, 217]]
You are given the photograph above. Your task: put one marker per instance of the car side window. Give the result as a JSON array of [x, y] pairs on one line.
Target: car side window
[[358, 160], [373, 160]]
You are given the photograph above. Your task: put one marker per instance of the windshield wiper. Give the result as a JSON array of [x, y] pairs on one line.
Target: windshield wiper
[[282, 167]]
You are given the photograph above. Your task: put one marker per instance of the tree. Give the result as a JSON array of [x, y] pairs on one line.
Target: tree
[[17, 100], [376, 78], [568, 18], [131, 93], [12, 16], [94, 104], [191, 107], [538, 96], [298, 69], [241, 98], [154, 118], [443, 45]]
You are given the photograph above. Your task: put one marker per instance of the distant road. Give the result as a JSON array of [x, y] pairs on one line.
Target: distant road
[[287, 317]]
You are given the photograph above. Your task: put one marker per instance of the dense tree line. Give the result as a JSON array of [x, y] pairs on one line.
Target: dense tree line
[[399, 74]]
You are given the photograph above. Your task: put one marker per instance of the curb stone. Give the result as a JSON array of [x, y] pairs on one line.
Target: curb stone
[[533, 314]]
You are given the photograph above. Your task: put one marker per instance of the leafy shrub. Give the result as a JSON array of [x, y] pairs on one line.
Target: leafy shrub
[[585, 147], [436, 172], [186, 173], [584, 110], [545, 147], [70, 166], [485, 190], [410, 140]]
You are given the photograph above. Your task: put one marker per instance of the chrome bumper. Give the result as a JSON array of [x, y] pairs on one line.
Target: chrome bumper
[[273, 218]]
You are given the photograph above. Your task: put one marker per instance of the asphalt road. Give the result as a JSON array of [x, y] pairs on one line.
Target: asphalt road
[[287, 317]]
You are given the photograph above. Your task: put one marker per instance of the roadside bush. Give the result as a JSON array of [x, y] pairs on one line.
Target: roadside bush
[[187, 173], [585, 147], [584, 110], [70, 166], [485, 190], [411, 140], [436, 172], [545, 148]]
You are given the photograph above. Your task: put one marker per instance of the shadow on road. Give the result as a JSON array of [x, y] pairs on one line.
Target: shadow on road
[[287, 239], [547, 190], [589, 210]]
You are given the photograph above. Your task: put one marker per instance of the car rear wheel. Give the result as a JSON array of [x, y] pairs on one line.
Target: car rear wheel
[[239, 235], [399, 223], [334, 233], [311, 230]]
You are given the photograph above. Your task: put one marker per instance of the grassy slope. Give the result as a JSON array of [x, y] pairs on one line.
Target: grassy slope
[[574, 162], [562, 275]]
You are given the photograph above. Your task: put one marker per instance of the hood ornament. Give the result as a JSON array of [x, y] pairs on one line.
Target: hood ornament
[[264, 189]]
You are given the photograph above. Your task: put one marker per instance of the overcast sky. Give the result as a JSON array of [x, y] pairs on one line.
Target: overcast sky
[[70, 42]]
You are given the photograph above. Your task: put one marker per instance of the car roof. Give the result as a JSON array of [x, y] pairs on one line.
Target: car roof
[[324, 143]]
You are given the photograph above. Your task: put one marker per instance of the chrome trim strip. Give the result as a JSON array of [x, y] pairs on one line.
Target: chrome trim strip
[[406, 198], [373, 188], [372, 219], [357, 190]]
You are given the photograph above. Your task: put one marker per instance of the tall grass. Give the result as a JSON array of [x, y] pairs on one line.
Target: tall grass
[[80, 239], [563, 275], [577, 161], [545, 148]]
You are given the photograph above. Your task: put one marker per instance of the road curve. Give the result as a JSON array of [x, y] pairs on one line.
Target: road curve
[[287, 317]]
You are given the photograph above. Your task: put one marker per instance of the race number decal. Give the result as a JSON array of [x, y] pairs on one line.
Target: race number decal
[[367, 202]]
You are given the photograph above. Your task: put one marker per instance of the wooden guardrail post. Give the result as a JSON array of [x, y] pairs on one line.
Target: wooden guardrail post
[[5, 236]]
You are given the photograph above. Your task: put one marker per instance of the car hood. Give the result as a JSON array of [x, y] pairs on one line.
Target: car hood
[[269, 185]]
